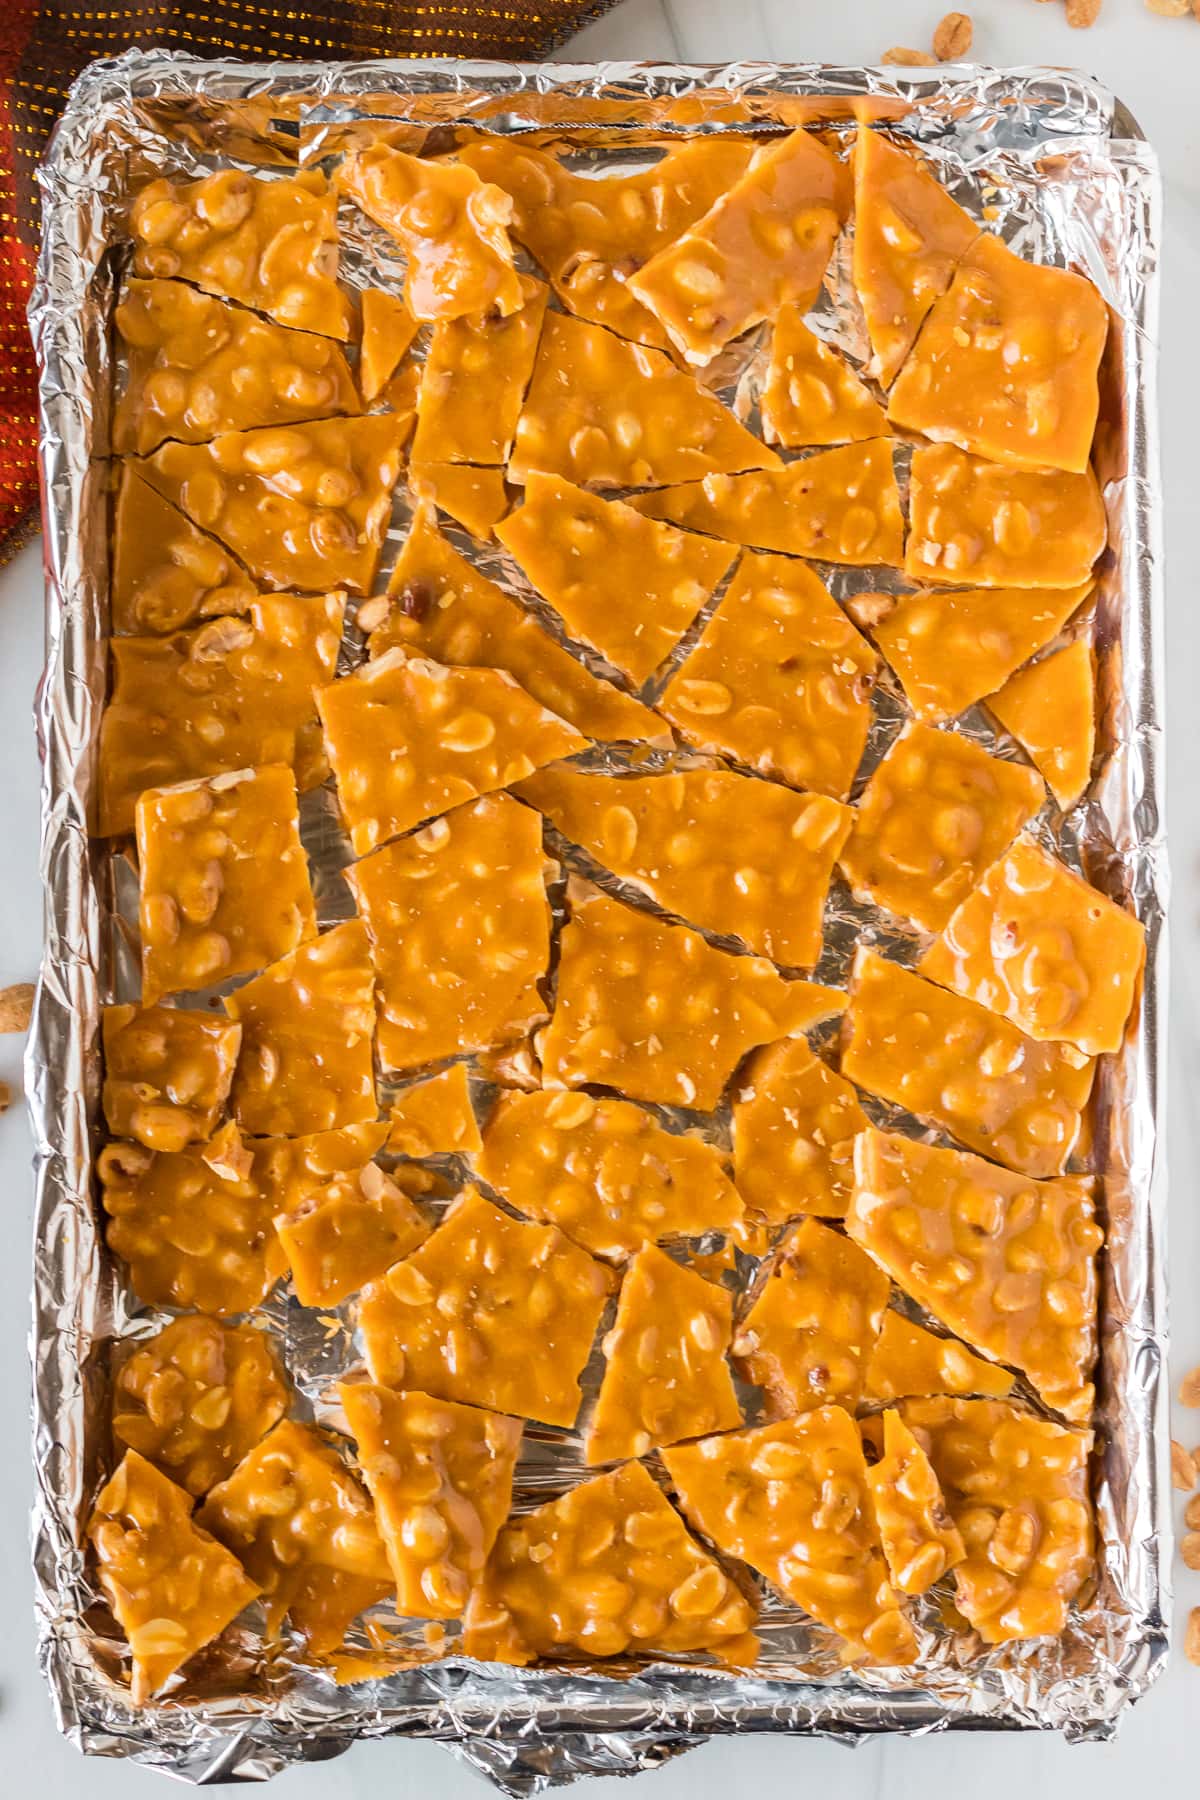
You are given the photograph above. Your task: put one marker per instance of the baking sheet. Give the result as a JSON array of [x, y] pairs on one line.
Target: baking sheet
[[1065, 177]]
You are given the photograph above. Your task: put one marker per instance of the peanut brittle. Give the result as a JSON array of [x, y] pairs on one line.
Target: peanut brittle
[[605, 1172], [293, 502], [906, 1360], [972, 521], [960, 1067], [460, 932], [779, 680], [840, 506], [230, 694], [450, 225], [167, 1073], [388, 329], [271, 243], [450, 1317], [936, 813], [409, 739], [477, 499], [1006, 365], [909, 237], [345, 1234], [1007, 1262], [435, 1117], [1050, 709], [628, 586], [734, 855], [610, 1567], [171, 1587], [223, 876], [474, 380], [792, 1501], [811, 394], [665, 1374], [764, 245], [446, 609], [1042, 947], [441, 1477], [950, 649], [288, 1169], [605, 412], [807, 1336], [302, 1527], [308, 1023], [654, 1010], [920, 1539], [1017, 1489], [199, 366], [794, 1125], [195, 1397], [165, 572]]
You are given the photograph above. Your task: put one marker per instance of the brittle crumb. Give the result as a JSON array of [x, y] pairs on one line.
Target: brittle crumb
[[16, 1006]]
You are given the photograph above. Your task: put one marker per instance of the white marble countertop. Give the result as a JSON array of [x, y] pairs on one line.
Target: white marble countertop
[[1154, 64]]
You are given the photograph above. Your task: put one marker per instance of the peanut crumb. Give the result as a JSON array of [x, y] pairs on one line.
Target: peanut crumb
[[902, 58], [5, 1096], [1189, 1387], [1189, 1549], [1183, 1467], [1191, 1643], [953, 37], [1191, 1515], [1170, 9], [16, 1006], [1082, 13]]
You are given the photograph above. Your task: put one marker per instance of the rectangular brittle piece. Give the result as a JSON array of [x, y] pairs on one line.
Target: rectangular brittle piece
[[167, 1073]]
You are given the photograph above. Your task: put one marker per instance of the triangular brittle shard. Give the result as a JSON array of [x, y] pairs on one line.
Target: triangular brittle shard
[[166, 572], [920, 1540], [477, 499], [908, 1360], [388, 329], [811, 394], [435, 1117], [474, 380], [1051, 711]]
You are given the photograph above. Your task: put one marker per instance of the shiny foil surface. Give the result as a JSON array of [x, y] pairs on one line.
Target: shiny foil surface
[[1055, 164]]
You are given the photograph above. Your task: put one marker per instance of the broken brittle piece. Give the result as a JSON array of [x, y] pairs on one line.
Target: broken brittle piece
[[779, 680], [477, 499], [171, 1587], [450, 1317], [441, 1477], [435, 1117], [1050, 708], [474, 380], [346, 1233], [656, 1011], [972, 521], [1007, 1262], [794, 1125], [811, 394], [1042, 947], [167, 1073], [166, 573], [906, 1359], [920, 1539], [935, 814], [195, 1397], [290, 1168], [388, 329], [608, 1568]]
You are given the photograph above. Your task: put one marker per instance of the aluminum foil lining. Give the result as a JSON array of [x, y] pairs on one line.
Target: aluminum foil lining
[[1058, 167]]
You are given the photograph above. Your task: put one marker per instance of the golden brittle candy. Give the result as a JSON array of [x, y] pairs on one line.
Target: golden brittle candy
[[612, 414], [270, 243], [474, 380], [764, 245], [665, 1373], [605, 1172], [388, 329], [341, 1236], [1017, 1489], [435, 1117], [1051, 711], [973, 521], [779, 680], [628, 586], [1008, 1263], [198, 366], [909, 236], [167, 1073], [950, 649], [792, 1501], [735, 855], [960, 1067], [165, 573], [231, 694], [172, 1589], [807, 1336], [907, 1359], [1042, 947], [441, 1478], [608, 1568], [936, 813], [794, 1125], [840, 506], [477, 499], [409, 739], [654, 1010], [1007, 363], [460, 932], [291, 1168], [223, 876], [446, 609], [196, 1396], [307, 1028], [450, 225], [811, 394], [920, 1539], [489, 1312], [303, 1528], [298, 504]]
